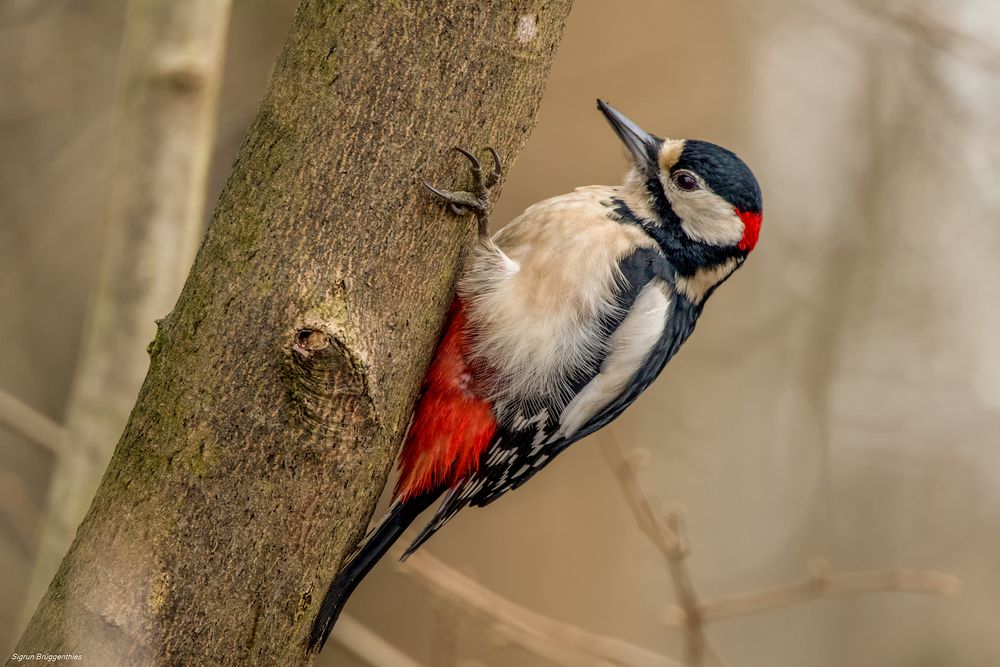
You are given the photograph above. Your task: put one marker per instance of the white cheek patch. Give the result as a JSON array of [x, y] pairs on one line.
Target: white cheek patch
[[695, 286], [705, 216], [630, 344]]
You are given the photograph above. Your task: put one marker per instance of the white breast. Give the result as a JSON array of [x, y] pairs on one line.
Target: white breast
[[535, 296]]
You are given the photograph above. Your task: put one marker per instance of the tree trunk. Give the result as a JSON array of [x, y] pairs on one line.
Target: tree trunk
[[280, 386], [168, 92]]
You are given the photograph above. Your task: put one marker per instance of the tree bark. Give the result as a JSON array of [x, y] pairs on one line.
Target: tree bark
[[167, 103], [280, 386]]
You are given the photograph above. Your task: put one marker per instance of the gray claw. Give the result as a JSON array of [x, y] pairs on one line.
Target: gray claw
[[494, 176], [476, 167], [461, 203], [477, 201], [443, 194]]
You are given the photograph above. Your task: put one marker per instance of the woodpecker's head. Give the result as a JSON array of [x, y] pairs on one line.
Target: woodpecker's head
[[700, 201]]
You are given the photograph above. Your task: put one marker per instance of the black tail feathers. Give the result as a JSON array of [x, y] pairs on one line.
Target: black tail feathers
[[372, 548]]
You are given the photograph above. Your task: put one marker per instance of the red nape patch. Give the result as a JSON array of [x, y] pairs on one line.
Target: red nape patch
[[451, 425], [751, 229]]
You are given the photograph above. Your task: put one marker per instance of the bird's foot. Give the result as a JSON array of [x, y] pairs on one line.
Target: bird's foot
[[476, 201]]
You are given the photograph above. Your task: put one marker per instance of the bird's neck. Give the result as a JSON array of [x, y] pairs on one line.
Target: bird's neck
[[699, 268]]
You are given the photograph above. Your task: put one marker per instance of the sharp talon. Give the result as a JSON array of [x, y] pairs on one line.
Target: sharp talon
[[443, 194], [472, 158], [492, 179], [497, 163], [457, 210]]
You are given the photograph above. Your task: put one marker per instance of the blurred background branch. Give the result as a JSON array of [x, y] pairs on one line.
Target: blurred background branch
[[933, 25], [822, 583], [367, 646], [693, 615], [664, 531], [558, 642], [171, 71], [35, 427]]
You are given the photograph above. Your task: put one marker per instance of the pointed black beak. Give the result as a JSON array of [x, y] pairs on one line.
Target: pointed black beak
[[643, 146]]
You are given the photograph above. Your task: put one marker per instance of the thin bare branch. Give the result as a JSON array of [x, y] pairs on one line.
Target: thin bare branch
[[369, 647], [24, 420], [559, 642], [693, 615], [665, 531], [822, 584]]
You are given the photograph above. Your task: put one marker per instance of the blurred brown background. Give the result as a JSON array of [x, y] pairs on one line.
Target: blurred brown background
[[840, 399]]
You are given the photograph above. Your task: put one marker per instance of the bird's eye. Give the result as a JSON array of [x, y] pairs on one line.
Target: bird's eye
[[685, 180]]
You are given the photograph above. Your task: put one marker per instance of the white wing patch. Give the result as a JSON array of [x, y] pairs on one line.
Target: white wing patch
[[629, 346]]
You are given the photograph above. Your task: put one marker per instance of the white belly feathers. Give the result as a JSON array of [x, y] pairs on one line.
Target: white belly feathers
[[535, 297]]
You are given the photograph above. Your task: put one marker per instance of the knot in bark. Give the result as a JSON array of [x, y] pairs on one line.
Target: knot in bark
[[327, 380]]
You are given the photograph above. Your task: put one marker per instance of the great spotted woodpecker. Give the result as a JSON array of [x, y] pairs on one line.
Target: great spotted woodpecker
[[561, 320]]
